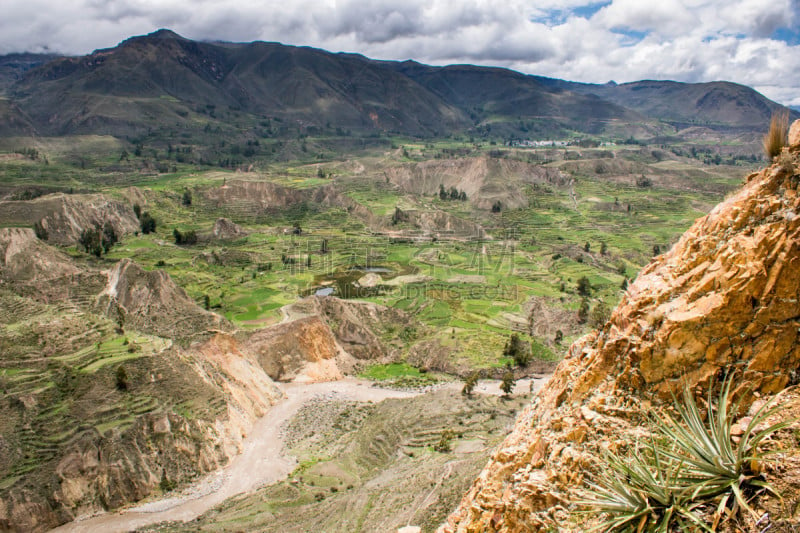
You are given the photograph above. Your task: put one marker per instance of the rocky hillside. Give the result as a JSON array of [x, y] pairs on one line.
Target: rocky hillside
[[150, 301], [324, 338], [485, 180], [723, 298], [23, 257], [65, 216]]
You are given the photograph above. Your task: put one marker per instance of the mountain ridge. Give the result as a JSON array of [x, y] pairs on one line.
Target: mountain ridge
[[163, 79]]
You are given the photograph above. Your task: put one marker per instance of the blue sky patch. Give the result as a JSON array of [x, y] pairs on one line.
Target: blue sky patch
[[790, 36], [630, 37], [589, 10], [555, 17]]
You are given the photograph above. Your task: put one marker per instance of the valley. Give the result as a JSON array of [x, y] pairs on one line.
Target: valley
[[243, 285]]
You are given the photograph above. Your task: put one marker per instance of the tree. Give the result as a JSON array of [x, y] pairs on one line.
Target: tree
[[497, 206], [583, 311], [109, 237], [188, 238], [603, 248], [469, 384], [187, 198], [121, 378], [137, 210], [517, 349], [398, 216], [147, 223], [91, 241], [323, 248], [559, 336], [656, 250], [587, 247], [584, 287], [442, 192], [507, 384]]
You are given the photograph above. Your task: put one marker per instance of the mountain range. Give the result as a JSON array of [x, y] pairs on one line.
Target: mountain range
[[164, 82]]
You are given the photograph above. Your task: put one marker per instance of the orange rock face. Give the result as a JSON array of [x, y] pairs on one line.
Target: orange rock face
[[726, 296]]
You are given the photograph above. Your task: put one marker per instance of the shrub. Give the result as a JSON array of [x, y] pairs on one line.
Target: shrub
[[507, 384], [775, 139], [469, 384], [121, 378], [599, 315], [583, 311], [147, 223], [444, 444]]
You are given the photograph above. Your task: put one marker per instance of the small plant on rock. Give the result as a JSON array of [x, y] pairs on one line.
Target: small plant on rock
[[691, 475], [775, 139]]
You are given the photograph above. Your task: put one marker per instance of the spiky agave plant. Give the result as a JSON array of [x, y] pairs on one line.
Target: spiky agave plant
[[687, 466], [641, 492], [714, 465]]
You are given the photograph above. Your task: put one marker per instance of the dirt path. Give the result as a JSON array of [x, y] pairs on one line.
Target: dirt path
[[262, 461]]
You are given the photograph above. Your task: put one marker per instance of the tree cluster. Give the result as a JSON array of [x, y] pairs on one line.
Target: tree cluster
[[188, 238], [453, 194], [517, 349], [98, 240]]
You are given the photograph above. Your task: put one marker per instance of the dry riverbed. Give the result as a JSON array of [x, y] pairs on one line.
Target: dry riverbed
[[264, 459]]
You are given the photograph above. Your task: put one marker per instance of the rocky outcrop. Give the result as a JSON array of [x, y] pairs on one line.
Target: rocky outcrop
[[324, 338], [725, 297], [363, 329], [151, 302], [23, 257], [225, 229], [441, 223], [248, 199], [301, 350], [65, 216]]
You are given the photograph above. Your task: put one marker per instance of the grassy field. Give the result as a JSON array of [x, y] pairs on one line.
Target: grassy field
[[470, 291]]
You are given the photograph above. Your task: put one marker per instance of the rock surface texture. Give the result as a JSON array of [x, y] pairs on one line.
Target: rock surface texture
[[724, 297]]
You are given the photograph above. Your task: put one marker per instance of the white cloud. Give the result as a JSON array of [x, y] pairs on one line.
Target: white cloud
[[582, 40]]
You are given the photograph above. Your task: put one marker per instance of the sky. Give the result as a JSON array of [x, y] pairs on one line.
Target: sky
[[752, 42]]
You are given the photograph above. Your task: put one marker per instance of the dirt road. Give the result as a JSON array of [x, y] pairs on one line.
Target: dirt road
[[262, 461]]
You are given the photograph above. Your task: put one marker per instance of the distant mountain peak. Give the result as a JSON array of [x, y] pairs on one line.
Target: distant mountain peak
[[164, 33]]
